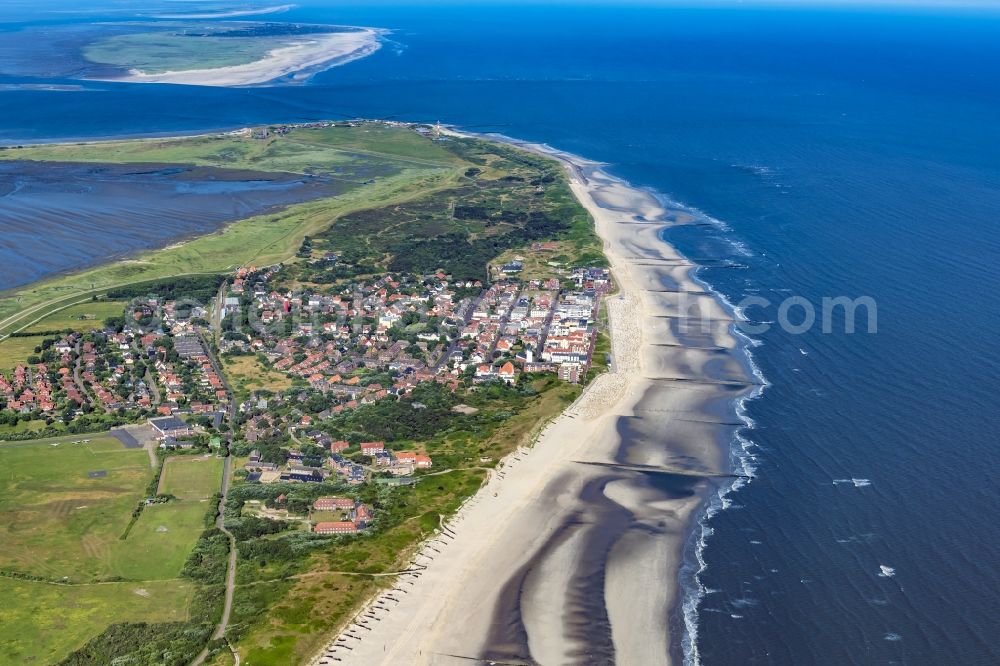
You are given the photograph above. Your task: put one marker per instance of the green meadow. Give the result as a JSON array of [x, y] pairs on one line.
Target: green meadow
[[41, 623], [187, 477], [14, 351], [161, 540], [80, 317], [65, 572], [163, 51], [51, 506]]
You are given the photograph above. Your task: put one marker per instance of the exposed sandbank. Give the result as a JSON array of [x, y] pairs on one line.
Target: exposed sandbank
[[227, 14], [310, 54], [571, 551]]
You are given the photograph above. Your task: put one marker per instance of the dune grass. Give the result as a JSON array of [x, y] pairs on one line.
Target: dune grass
[[41, 623], [313, 606]]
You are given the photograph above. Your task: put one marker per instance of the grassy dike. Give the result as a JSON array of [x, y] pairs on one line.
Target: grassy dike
[[263, 239]]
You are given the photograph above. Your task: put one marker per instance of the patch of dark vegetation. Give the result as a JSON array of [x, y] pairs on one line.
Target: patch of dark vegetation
[[462, 229], [201, 288]]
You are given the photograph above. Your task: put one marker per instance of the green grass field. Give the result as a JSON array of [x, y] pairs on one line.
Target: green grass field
[[14, 351], [188, 477], [247, 374], [303, 150], [60, 524], [80, 317], [48, 504], [41, 623], [161, 540], [56, 521]]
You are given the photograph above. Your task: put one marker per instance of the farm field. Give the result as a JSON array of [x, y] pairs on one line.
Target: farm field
[[41, 623]]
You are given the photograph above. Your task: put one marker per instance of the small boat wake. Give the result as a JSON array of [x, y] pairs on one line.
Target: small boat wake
[[857, 483]]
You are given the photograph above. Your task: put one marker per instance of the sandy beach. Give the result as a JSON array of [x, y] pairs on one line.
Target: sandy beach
[[571, 551], [311, 54]]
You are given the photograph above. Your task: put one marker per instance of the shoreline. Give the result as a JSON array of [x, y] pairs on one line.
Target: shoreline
[[587, 532], [626, 452], [294, 62], [737, 447]]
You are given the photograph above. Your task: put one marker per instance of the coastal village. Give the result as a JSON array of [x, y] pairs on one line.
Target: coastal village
[[289, 425], [340, 348]]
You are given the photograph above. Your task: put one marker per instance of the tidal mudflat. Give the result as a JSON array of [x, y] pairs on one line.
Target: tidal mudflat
[[62, 216]]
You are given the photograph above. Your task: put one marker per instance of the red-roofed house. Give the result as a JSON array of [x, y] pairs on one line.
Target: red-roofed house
[[333, 503], [507, 372], [336, 527], [371, 448]]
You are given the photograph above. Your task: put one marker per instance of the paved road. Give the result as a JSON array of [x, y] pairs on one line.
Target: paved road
[[227, 477], [458, 341], [218, 311], [78, 380], [153, 388]]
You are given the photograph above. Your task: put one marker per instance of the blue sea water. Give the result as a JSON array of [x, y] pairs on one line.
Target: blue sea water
[[837, 152]]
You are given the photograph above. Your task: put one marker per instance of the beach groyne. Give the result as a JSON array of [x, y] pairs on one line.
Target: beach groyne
[[573, 554]]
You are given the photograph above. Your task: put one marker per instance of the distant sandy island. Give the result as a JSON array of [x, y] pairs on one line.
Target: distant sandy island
[[571, 552], [311, 53], [227, 14]]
